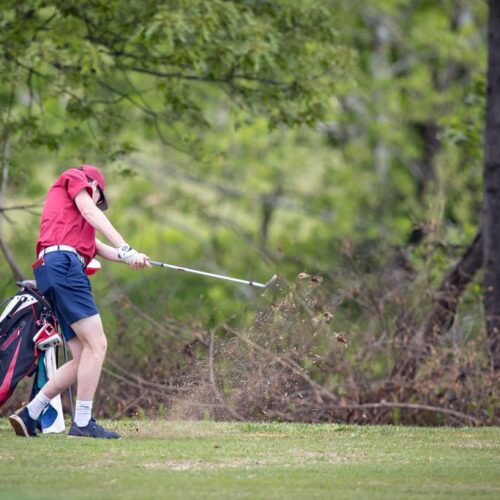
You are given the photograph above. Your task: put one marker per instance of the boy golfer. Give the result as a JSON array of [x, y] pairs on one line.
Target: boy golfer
[[71, 216]]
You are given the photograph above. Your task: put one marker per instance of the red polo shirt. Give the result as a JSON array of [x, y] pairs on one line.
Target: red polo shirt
[[62, 223]]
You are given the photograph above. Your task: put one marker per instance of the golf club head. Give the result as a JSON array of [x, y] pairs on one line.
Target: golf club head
[[273, 282]]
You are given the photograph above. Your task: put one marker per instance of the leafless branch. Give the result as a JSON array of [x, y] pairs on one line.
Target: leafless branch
[[204, 78], [420, 407], [213, 382], [284, 361], [21, 207]]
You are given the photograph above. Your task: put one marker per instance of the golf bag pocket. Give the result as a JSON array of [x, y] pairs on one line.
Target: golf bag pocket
[[25, 315]]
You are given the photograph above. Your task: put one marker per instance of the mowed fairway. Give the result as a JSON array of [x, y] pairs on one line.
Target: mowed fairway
[[161, 459]]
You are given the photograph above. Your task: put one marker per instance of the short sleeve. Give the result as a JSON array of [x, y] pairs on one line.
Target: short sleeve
[[74, 181]]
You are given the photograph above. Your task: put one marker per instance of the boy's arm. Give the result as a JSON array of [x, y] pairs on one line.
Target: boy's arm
[[95, 217], [106, 251], [109, 253]]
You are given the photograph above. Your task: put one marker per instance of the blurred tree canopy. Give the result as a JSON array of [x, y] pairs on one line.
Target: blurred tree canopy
[[75, 73]]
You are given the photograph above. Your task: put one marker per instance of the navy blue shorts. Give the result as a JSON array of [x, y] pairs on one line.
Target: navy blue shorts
[[63, 280]]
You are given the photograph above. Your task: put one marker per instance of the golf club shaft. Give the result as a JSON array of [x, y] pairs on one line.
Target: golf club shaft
[[203, 273]]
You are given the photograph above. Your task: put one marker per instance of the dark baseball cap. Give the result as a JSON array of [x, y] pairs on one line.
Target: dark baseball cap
[[96, 175]]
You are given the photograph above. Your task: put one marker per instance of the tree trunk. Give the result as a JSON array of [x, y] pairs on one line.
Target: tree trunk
[[492, 189], [16, 270], [442, 315], [380, 67], [428, 132], [269, 203], [14, 267]]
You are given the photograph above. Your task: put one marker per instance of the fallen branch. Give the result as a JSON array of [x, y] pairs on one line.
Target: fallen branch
[[411, 406], [138, 385], [142, 382]]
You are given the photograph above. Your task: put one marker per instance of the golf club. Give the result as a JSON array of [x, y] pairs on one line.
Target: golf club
[[218, 276]]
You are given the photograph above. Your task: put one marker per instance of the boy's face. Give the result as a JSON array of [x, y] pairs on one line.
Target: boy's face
[[96, 192]]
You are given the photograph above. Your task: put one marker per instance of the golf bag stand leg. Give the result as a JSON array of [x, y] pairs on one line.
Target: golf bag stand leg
[[70, 392]]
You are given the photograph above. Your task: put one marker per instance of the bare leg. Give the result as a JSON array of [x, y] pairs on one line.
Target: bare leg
[[89, 351], [65, 374], [90, 333]]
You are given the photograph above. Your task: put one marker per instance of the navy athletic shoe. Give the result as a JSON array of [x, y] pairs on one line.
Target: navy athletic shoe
[[92, 430], [23, 424]]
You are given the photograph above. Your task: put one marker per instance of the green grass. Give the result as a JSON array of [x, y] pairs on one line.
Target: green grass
[[161, 459]]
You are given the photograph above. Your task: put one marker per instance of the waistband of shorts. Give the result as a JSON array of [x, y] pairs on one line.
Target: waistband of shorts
[[62, 248]]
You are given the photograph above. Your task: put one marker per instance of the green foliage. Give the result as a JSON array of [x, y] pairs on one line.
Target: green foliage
[[79, 72]]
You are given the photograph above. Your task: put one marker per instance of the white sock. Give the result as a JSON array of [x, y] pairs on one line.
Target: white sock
[[83, 413], [38, 404]]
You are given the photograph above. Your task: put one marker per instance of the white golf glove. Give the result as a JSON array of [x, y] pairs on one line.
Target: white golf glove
[[128, 255]]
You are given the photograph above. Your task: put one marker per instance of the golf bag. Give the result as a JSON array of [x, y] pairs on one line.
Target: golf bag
[[27, 327]]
